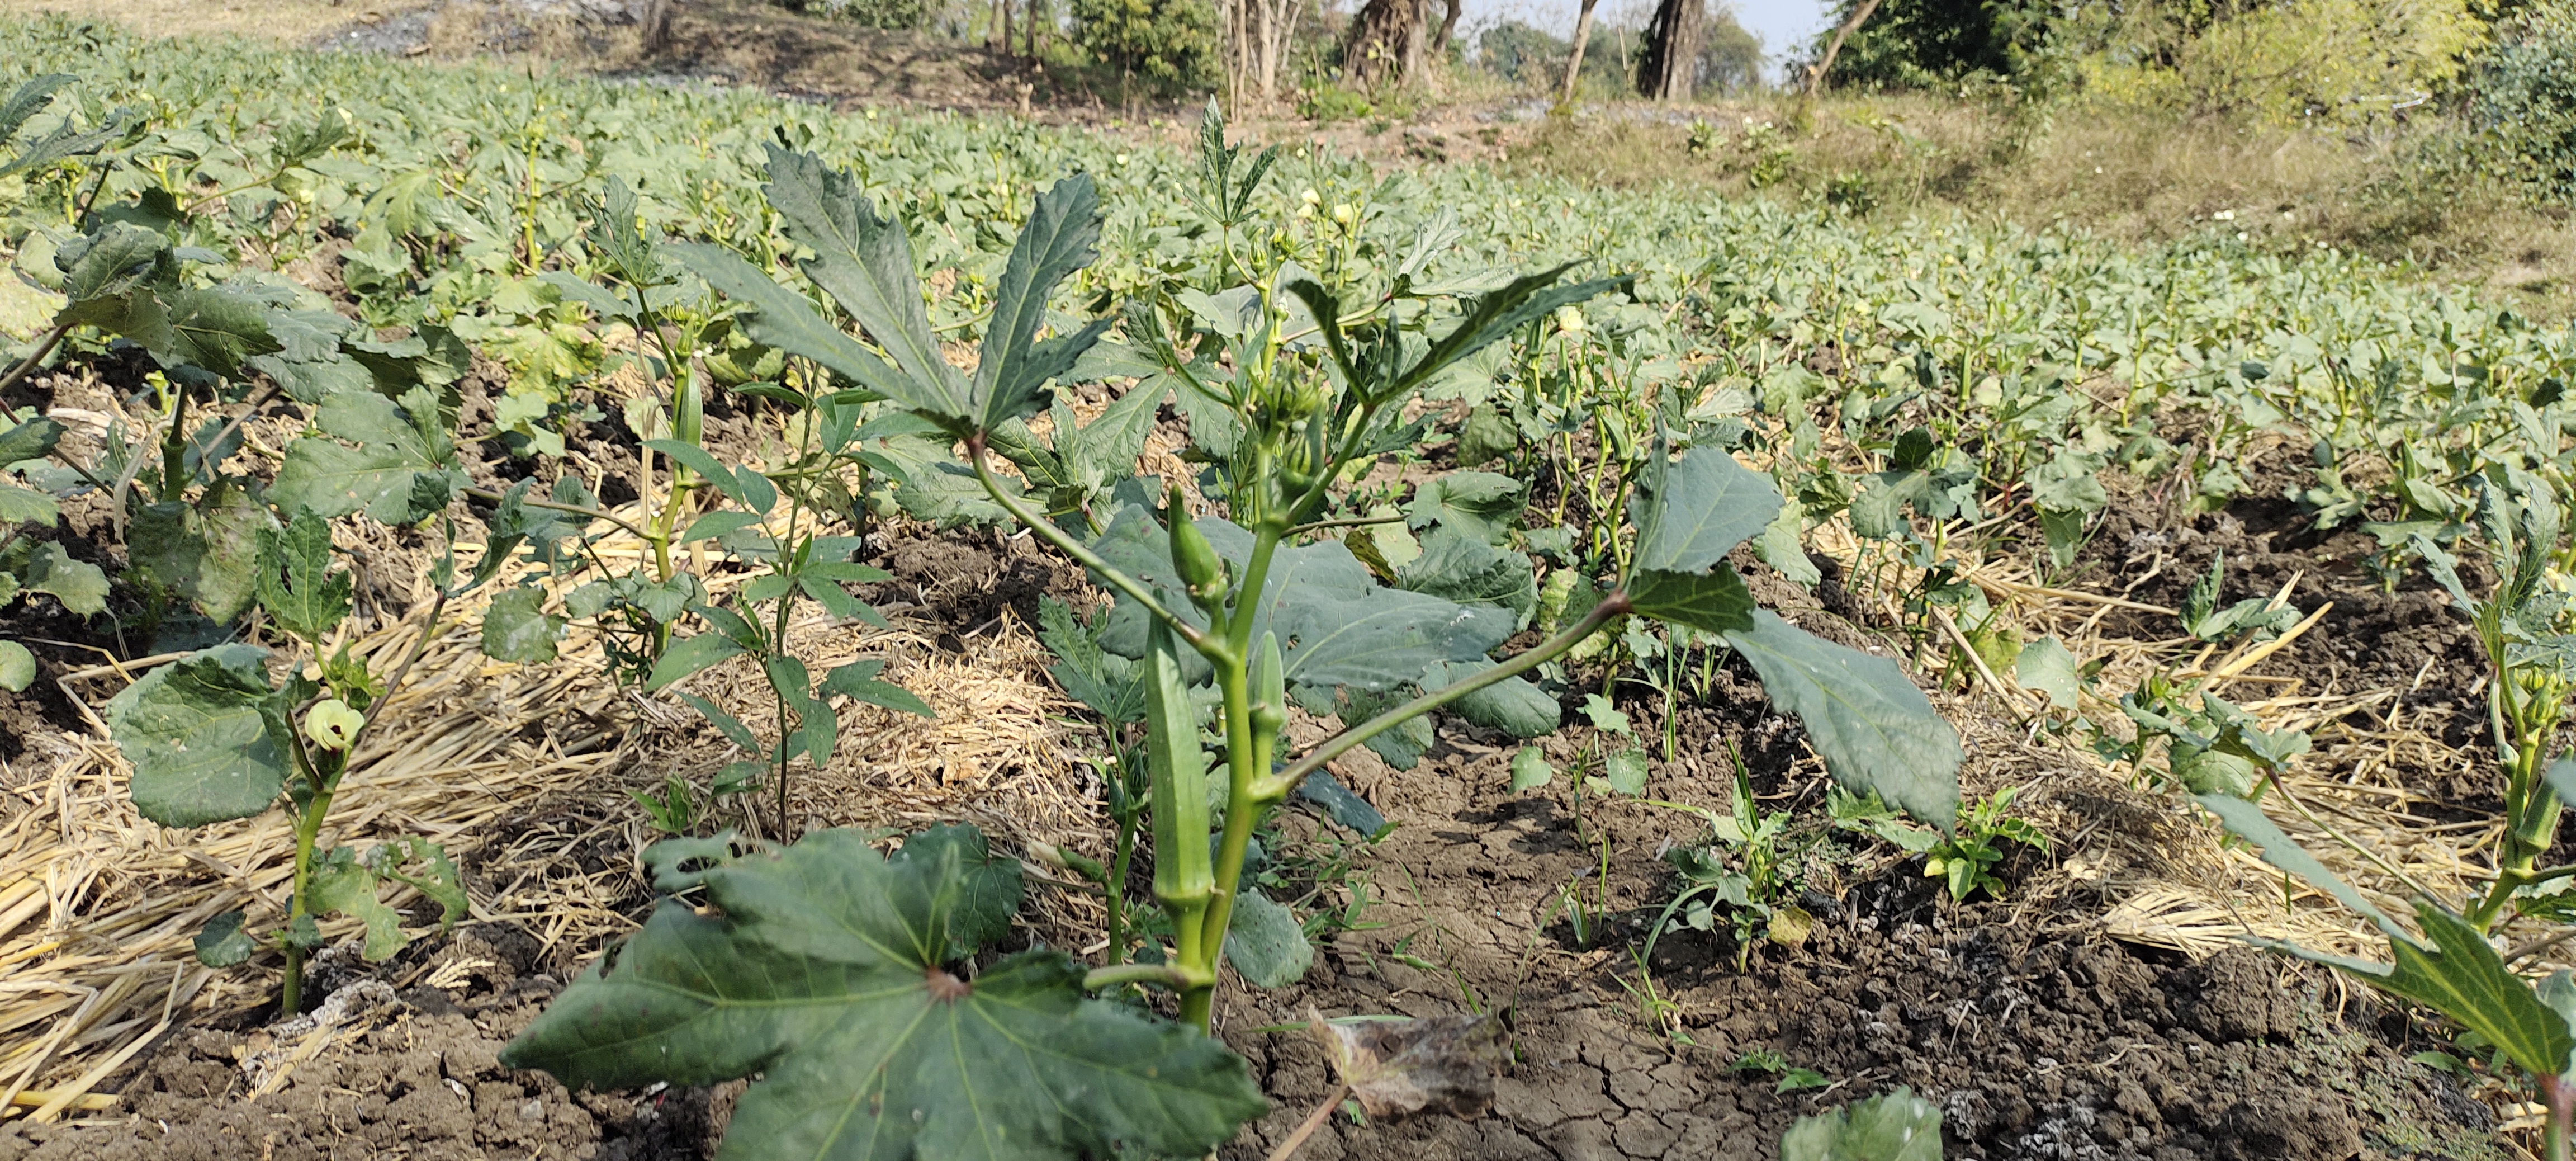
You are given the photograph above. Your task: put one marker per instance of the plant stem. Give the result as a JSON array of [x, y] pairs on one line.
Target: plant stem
[[1614, 605], [1175, 978], [29, 364], [1080, 552], [2557, 1094]]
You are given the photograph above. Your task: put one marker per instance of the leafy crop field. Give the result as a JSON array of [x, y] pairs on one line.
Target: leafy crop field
[[516, 582]]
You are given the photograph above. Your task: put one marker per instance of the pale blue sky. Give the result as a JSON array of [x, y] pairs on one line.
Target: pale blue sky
[[1782, 24]]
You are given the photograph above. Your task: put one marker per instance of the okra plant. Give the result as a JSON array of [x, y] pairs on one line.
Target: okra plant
[[2523, 626], [1288, 386]]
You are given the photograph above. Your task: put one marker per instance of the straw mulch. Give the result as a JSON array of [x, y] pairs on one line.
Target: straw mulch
[[2139, 863], [515, 770]]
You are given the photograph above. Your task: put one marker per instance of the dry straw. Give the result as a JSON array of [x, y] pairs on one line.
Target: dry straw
[[521, 771]]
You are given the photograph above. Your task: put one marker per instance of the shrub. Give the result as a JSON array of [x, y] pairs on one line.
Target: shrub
[[2522, 105], [1169, 45]]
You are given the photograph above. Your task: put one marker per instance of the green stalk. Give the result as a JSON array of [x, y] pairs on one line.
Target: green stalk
[[1612, 606], [308, 830], [2557, 1094]]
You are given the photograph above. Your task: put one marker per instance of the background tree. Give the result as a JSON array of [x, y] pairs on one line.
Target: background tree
[[1574, 55], [1168, 45], [1385, 43], [1669, 70]]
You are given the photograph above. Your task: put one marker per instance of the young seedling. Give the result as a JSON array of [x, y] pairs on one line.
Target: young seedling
[[211, 739]]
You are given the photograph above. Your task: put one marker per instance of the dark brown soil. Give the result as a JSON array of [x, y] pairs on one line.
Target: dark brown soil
[[422, 1081], [2034, 1046]]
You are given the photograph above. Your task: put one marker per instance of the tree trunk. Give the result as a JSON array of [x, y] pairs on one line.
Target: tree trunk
[[1574, 60], [1816, 71], [998, 37], [656, 27], [1385, 44], [1669, 70], [1448, 27]]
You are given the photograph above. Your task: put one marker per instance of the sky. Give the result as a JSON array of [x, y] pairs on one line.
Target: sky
[[1783, 25]]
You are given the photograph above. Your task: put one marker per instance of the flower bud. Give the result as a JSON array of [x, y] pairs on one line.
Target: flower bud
[[1196, 560]]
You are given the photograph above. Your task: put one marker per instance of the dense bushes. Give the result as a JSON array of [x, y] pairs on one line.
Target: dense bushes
[[1167, 46], [2522, 103]]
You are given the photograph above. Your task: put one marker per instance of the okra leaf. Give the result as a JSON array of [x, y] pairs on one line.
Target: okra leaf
[[1461, 566], [1873, 728], [858, 681], [344, 885], [1496, 315], [1480, 503], [781, 318], [1511, 705], [1714, 602], [223, 943], [108, 263], [1894, 1126], [1062, 236], [715, 524], [31, 440], [2046, 666], [78, 584], [705, 464], [26, 506], [295, 581], [1691, 512], [206, 736], [1379, 639], [1112, 686], [689, 655], [29, 99], [865, 262], [727, 724], [1265, 943], [17, 667], [825, 970], [1342, 805], [398, 473], [517, 628]]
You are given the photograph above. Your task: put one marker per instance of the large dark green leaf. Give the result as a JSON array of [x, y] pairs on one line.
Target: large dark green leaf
[[206, 737], [1061, 237], [31, 440], [1481, 504], [1265, 943], [1713, 602], [1498, 314], [217, 328], [78, 584], [1874, 730], [1461, 566], [1693, 511], [397, 473], [28, 100], [826, 972], [1511, 705], [1374, 639], [109, 263], [865, 262]]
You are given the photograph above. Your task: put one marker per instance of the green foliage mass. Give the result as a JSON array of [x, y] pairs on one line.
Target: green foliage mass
[[1166, 46]]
